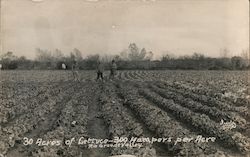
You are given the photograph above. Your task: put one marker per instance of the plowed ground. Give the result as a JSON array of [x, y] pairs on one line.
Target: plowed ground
[[50, 106]]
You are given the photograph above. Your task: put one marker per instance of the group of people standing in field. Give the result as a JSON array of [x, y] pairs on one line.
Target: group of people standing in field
[[99, 70]]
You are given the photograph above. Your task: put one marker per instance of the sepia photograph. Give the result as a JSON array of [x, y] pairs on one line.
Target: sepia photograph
[[124, 78]]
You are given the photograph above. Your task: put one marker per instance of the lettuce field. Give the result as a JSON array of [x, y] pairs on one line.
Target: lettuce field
[[190, 113]]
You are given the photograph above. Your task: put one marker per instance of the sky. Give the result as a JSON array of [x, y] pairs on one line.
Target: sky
[[178, 27]]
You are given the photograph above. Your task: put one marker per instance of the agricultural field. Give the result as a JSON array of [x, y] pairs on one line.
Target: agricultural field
[[187, 113]]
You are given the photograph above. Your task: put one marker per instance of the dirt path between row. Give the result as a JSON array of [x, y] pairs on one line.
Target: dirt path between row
[[96, 126]]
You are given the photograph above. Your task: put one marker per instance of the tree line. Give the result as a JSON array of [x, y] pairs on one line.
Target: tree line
[[129, 59]]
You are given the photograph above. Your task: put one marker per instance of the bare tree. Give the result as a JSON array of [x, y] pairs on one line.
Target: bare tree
[[78, 54], [142, 54], [198, 56], [91, 61], [9, 56], [43, 55], [245, 56], [124, 54], [224, 53], [107, 58], [149, 55], [165, 57], [133, 52], [57, 54]]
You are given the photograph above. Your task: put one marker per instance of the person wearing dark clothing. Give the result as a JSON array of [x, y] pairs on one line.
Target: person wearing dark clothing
[[99, 70]]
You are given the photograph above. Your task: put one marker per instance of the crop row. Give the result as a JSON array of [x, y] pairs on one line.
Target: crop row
[[227, 87], [71, 123], [23, 106], [12, 90], [200, 122], [214, 93], [162, 124], [209, 101], [121, 124], [29, 121], [197, 107]]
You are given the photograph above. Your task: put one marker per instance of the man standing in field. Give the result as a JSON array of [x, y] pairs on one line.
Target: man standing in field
[[113, 70], [75, 72], [99, 70]]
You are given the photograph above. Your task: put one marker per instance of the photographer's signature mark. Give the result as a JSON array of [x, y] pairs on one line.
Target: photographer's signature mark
[[227, 125]]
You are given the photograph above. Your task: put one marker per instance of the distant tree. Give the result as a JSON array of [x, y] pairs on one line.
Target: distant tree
[[78, 54], [142, 54], [185, 57], [165, 57], [95, 57], [149, 56], [72, 56], [43, 55], [198, 56], [224, 53], [24, 63], [91, 61], [245, 54], [9, 55], [124, 54], [106, 58], [22, 58], [117, 58], [224, 60], [46, 59], [8, 60], [58, 55], [133, 52], [238, 62]]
